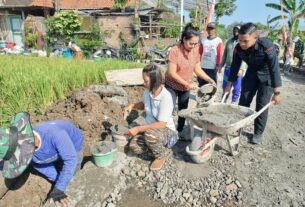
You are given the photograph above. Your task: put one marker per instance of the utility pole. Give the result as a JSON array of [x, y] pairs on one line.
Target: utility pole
[[181, 17]]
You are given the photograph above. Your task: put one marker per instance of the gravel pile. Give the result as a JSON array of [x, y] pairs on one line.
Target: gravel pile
[[171, 187]]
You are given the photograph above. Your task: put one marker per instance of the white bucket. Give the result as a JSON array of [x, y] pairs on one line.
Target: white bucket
[[118, 136]]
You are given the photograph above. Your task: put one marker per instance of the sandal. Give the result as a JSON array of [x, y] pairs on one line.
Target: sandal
[[157, 164]]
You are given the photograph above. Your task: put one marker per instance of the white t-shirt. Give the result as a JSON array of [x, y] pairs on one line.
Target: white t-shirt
[[210, 50], [159, 108]]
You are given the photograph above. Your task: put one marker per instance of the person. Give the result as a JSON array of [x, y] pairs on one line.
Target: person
[[159, 132], [288, 59], [299, 50], [76, 50], [46, 146], [262, 77], [227, 61], [58, 155], [183, 61], [211, 54]]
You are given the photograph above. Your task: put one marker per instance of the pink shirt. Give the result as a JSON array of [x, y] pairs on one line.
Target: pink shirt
[[186, 62]]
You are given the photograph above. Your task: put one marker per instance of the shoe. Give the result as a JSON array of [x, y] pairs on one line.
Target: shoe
[[256, 139], [234, 102], [157, 164]]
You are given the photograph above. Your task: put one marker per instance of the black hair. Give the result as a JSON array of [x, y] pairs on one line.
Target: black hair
[[190, 30], [155, 76], [248, 28]]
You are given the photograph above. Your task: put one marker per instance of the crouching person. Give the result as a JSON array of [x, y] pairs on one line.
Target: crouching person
[[46, 146], [58, 155], [159, 132]]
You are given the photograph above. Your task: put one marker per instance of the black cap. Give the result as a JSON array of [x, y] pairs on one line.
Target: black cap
[[211, 25]]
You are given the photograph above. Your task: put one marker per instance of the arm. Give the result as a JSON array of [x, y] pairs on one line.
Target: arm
[[219, 57], [164, 114], [236, 63], [219, 54], [273, 65], [47, 170], [68, 154], [201, 74], [172, 71]]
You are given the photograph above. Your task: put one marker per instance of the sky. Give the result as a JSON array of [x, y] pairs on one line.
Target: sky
[[252, 11]]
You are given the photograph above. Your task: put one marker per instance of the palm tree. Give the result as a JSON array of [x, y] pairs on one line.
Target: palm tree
[[293, 10]]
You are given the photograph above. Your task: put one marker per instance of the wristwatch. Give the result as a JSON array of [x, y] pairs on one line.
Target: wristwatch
[[276, 93]]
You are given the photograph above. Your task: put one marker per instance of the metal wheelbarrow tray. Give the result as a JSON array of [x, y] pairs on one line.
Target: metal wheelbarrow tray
[[226, 120]]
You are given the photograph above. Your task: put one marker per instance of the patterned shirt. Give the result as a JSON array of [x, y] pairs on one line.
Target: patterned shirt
[[186, 62]]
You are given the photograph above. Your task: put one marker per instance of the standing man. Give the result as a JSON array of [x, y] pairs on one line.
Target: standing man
[[227, 61], [211, 53], [262, 77], [299, 50]]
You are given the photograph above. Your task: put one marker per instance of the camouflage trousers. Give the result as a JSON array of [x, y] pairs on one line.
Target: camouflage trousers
[[153, 140]]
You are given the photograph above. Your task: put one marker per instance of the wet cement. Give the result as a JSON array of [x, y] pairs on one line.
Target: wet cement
[[219, 115], [103, 147], [119, 129]]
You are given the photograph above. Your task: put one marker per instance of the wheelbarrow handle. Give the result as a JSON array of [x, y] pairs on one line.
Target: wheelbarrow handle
[[263, 109], [224, 97]]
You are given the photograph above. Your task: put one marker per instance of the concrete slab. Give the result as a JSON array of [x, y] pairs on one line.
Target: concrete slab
[[125, 77]]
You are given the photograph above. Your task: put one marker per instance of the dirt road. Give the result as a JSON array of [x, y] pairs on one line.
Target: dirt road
[[271, 174]]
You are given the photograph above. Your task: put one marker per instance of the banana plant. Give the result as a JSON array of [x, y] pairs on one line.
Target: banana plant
[[294, 10]]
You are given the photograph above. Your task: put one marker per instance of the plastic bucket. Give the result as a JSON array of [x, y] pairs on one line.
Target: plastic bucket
[[118, 136], [97, 59], [104, 157], [67, 53], [204, 154]]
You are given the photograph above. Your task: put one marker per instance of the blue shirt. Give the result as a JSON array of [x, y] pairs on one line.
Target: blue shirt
[[58, 140]]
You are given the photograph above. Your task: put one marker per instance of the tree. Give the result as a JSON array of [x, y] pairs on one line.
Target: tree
[[62, 26], [293, 11], [224, 8]]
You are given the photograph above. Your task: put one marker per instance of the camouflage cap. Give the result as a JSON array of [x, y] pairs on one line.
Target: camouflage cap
[[17, 145]]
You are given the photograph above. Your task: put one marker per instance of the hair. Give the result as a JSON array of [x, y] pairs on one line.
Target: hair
[[155, 76], [248, 28], [190, 30]]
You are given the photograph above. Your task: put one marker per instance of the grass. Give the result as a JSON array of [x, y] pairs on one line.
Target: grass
[[33, 83]]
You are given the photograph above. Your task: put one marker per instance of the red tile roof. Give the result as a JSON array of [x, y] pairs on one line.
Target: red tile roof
[[87, 4], [27, 3]]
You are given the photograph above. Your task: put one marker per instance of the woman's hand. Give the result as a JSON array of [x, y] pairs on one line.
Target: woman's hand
[[191, 86], [211, 81], [133, 131]]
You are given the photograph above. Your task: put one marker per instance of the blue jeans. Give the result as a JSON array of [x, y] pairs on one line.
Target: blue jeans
[[236, 85]]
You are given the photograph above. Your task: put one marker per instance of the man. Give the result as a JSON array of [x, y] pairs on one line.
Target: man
[[262, 77], [53, 148], [299, 50], [211, 53], [227, 61]]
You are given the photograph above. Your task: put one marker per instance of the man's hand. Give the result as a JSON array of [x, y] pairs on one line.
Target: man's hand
[[240, 73], [218, 69], [133, 131], [276, 99], [59, 198]]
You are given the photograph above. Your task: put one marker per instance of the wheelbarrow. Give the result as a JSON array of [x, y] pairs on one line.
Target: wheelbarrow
[[199, 120]]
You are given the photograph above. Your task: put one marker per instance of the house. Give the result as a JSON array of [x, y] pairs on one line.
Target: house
[[14, 12]]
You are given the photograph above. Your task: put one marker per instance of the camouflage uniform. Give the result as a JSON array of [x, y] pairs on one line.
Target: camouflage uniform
[[17, 145], [154, 140]]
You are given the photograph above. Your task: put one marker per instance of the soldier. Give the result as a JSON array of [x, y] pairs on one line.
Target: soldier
[[262, 77]]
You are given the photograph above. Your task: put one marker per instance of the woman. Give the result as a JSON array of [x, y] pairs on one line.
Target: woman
[[184, 60], [159, 131], [289, 50]]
